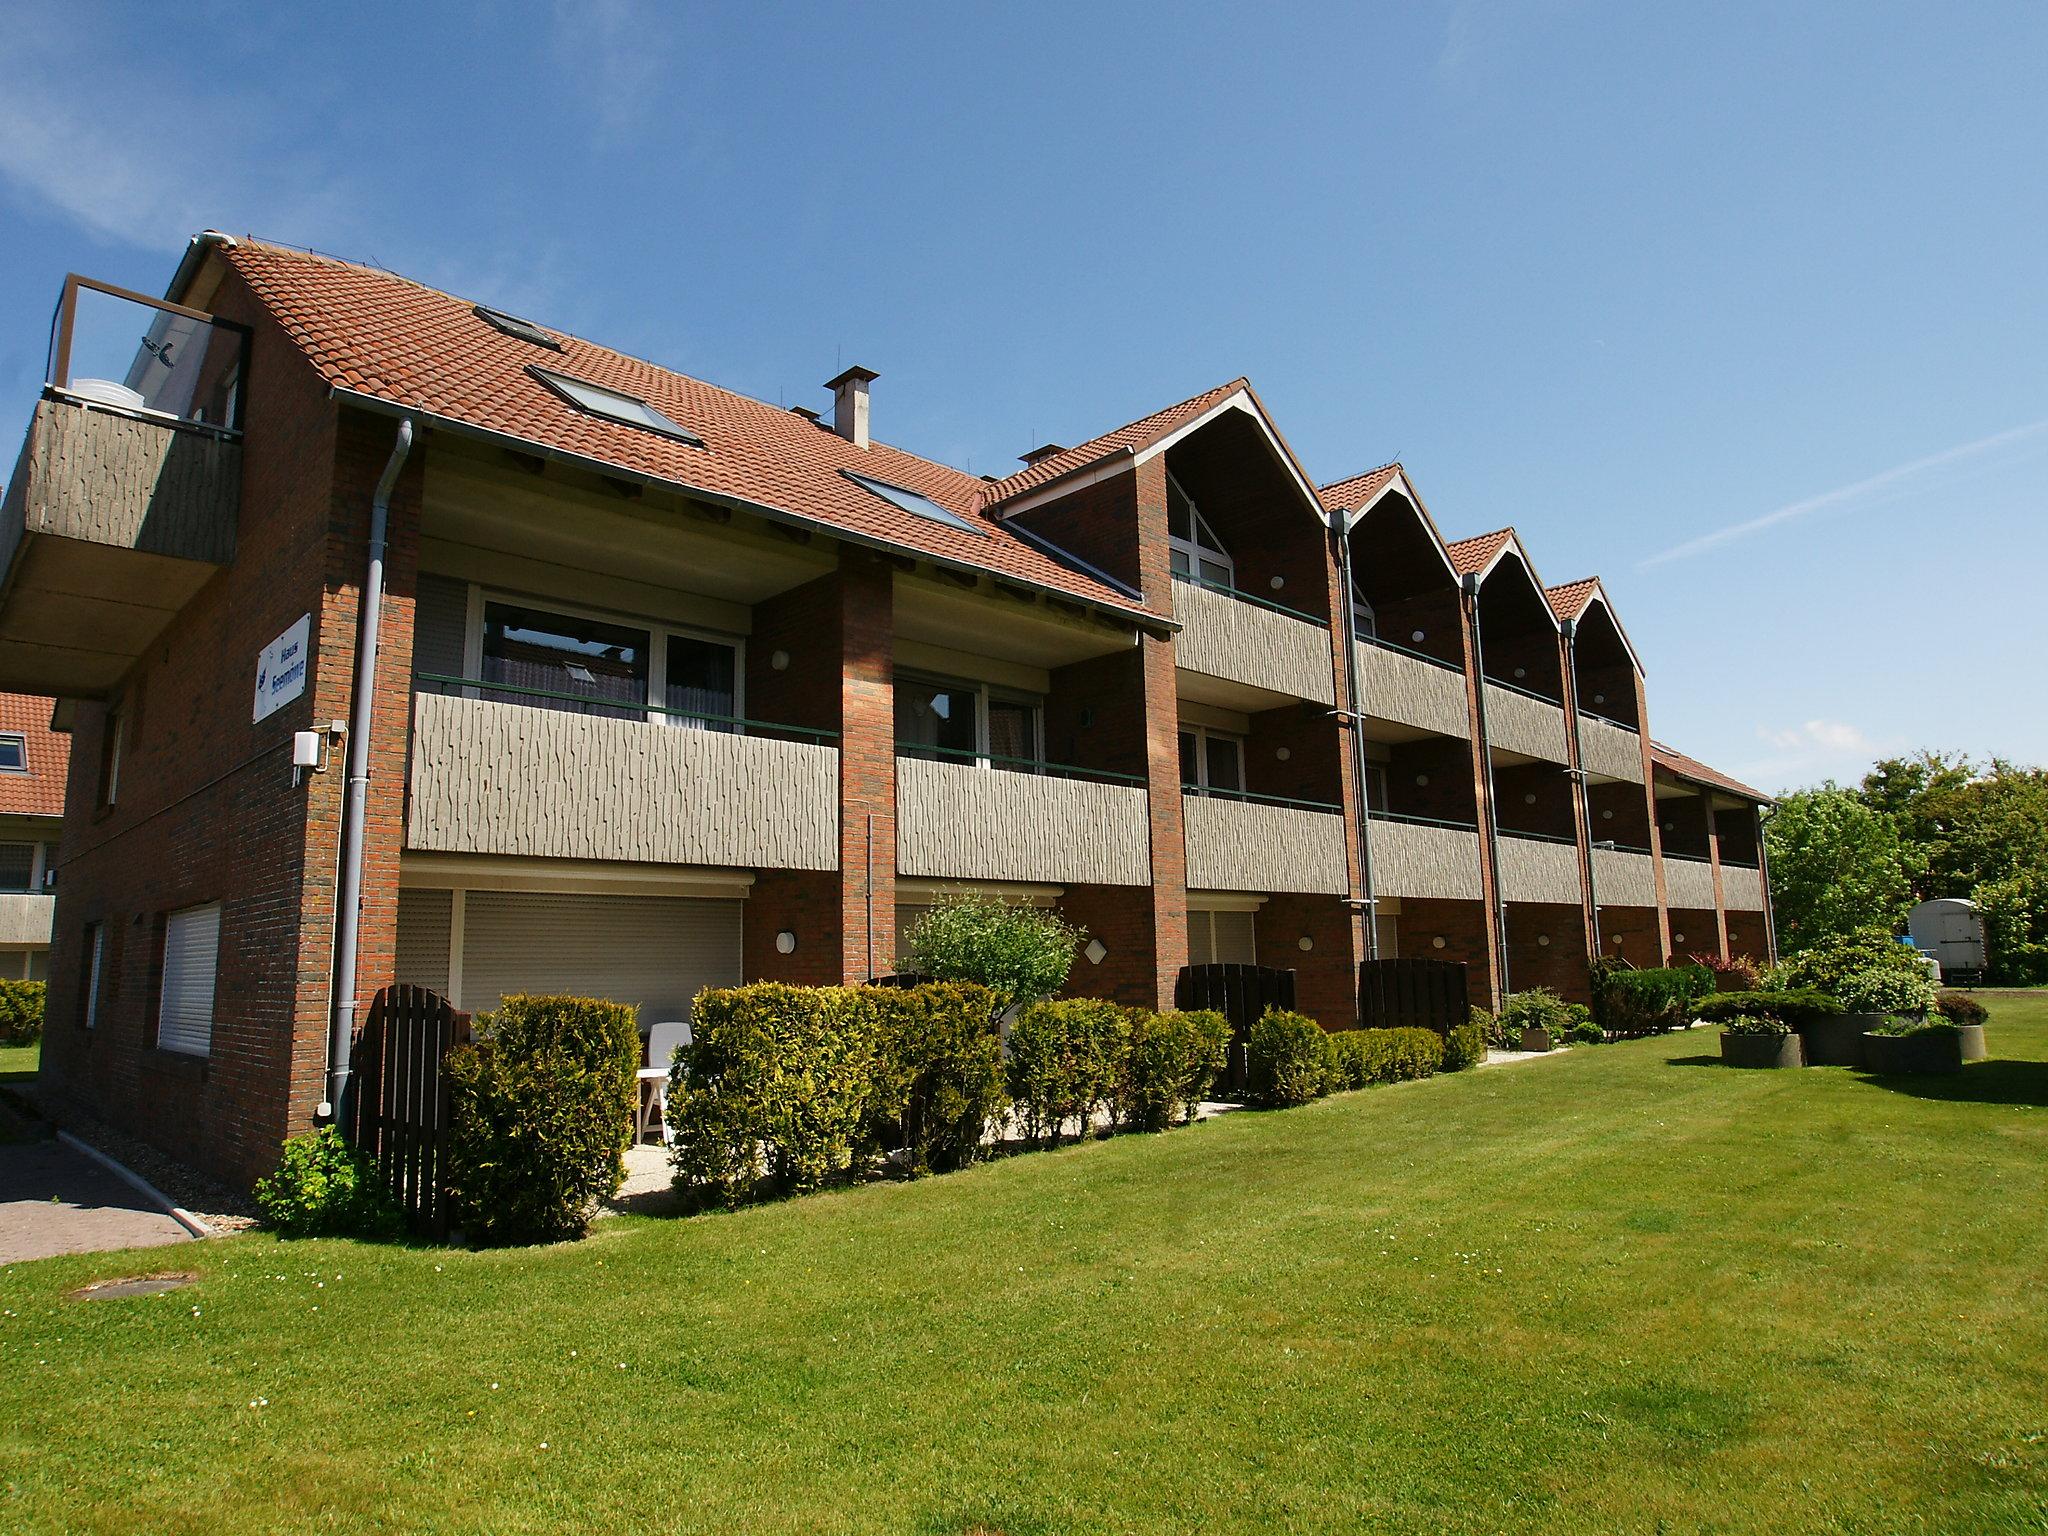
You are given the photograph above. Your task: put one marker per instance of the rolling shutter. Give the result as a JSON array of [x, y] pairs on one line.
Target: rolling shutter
[[191, 956], [424, 918], [440, 626], [654, 951]]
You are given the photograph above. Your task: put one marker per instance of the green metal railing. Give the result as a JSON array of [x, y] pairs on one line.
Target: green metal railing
[[1619, 725], [615, 708], [1527, 693], [1250, 597], [1407, 650], [1014, 764], [1540, 837], [1208, 793], [1426, 821]]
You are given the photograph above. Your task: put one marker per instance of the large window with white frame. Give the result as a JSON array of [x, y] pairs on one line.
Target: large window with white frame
[[951, 720], [1196, 552], [562, 658], [1211, 760]]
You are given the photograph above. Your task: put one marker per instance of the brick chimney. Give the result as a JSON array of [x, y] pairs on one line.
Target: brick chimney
[[850, 404]]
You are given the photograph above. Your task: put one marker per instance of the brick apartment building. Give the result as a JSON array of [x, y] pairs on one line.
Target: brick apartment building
[[34, 762], [675, 688]]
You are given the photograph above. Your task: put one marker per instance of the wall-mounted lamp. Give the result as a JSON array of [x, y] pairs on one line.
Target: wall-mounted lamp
[[779, 660], [1437, 942], [1521, 671], [1096, 952], [785, 942], [1607, 815], [1422, 780], [1678, 938], [1305, 943], [1277, 583], [1283, 753], [1543, 940], [1417, 636], [1529, 798]]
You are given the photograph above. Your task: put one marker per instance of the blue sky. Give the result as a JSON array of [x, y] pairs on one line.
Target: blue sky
[[1739, 307]]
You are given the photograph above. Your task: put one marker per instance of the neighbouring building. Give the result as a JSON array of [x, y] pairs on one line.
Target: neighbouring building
[[34, 762], [675, 688]]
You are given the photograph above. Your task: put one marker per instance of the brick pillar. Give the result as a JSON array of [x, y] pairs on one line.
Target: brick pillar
[[1714, 863], [1656, 831], [1486, 989], [1167, 896], [865, 625], [1581, 827]]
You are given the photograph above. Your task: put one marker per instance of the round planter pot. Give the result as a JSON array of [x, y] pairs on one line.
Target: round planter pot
[[1932, 1053], [1535, 1040], [1972, 1038], [1838, 1042], [1761, 1050]]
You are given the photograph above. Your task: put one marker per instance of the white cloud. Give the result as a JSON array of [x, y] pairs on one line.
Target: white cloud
[[616, 53], [1804, 754]]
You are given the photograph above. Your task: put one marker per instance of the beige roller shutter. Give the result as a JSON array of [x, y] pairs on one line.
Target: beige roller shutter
[[654, 951], [423, 923], [184, 1021], [1234, 938]]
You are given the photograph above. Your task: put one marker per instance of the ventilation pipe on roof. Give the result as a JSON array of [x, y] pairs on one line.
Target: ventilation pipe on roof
[[1045, 451], [348, 906], [850, 404]]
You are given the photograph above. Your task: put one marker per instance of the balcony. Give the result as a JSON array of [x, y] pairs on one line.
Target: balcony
[[1253, 843], [499, 778], [1244, 640], [1525, 723], [1610, 750], [1742, 887], [964, 821], [124, 500], [1539, 869], [25, 917], [1412, 689], [1688, 883], [1623, 877], [1426, 860]]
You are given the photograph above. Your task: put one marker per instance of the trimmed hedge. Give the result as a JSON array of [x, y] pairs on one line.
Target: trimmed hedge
[[541, 1106], [1066, 1059], [1794, 1009], [1960, 1008], [1358, 1058], [1170, 1062], [1286, 1061], [1465, 1046], [21, 1012], [1628, 1003], [937, 1074]]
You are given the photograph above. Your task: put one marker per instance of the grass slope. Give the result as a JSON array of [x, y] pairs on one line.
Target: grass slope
[[1625, 1289]]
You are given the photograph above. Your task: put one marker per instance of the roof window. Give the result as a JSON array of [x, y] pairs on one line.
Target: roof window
[[913, 502], [512, 325], [613, 406]]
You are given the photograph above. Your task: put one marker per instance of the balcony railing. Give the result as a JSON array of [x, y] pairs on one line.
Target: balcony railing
[[1242, 639], [1410, 688], [963, 821], [996, 760], [1688, 882], [1624, 878], [492, 777], [1535, 868], [1611, 750], [1264, 843], [1525, 723], [25, 917], [1425, 859], [1742, 887], [613, 709]]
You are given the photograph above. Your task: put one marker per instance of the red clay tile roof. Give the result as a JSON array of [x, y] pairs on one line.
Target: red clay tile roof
[[1677, 763], [40, 791], [1569, 601], [1476, 553], [1359, 489], [1134, 437], [387, 337]]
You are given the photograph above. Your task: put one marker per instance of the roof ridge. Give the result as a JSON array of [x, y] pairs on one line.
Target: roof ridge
[[1100, 446]]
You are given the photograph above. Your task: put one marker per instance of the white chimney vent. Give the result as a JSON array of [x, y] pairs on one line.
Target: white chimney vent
[[850, 404]]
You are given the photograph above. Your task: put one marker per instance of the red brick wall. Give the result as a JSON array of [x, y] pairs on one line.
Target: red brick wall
[[1099, 524], [807, 903], [1634, 934], [1466, 934], [1560, 964], [1325, 977]]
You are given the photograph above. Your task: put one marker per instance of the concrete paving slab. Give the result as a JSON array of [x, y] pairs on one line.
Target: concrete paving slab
[[54, 1199]]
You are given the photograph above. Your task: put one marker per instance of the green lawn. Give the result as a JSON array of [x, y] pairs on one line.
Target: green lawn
[[18, 1062], [1625, 1289]]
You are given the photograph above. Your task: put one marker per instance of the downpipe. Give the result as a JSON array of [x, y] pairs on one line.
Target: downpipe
[[1469, 585], [1340, 525], [348, 904], [1578, 772]]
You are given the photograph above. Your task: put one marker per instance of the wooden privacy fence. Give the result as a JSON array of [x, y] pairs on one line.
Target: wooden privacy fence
[[1241, 993], [398, 1099], [1413, 994]]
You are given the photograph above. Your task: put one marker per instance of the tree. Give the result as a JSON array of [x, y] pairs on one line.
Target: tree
[[1837, 865], [1021, 954]]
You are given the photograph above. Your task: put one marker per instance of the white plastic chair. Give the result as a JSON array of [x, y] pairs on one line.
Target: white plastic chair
[[662, 1041]]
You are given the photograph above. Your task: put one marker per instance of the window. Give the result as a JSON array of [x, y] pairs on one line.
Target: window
[[17, 867], [1364, 622], [1376, 787], [512, 325], [1197, 553], [613, 406], [587, 665], [111, 731], [954, 721], [1210, 760], [95, 940], [1221, 938], [184, 1015], [701, 681], [914, 502], [13, 752]]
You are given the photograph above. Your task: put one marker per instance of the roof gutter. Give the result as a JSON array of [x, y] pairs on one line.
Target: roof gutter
[[197, 249], [1157, 625]]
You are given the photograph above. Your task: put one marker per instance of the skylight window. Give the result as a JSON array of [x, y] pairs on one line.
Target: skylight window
[[613, 406], [512, 325], [913, 502]]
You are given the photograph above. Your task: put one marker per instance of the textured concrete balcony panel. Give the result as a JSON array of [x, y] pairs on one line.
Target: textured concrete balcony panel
[[1533, 870], [1742, 888], [1395, 686], [1622, 879], [1519, 723], [1433, 863], [25, 917], [957, 821], [1610, 750], [111, 524], [1222, 636], [542, 783], [1235, 845], [1689, 883]]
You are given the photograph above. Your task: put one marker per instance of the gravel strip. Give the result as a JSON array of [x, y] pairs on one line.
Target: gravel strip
[[220, 1208]]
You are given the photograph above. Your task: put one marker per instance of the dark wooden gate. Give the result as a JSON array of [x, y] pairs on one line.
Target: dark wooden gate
[[1413, 994], [1241, 993], [398, 1106]]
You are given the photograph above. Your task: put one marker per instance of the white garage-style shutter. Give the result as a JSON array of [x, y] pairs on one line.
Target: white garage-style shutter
[[424, 918], [655, 951], [1220, 938], [191, 958]]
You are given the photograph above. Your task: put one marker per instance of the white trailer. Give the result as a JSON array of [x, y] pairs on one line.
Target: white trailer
[[1950, 929]]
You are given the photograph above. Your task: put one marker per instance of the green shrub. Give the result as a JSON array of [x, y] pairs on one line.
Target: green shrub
[[1731, 973], [1629, 1003], [775, 1090], [1582, 1030], [1960, 1008], [1286, 1062], [323, 1187], [1019, 953], [1794, 1009], [1465, 1046], [1753, 1024], [937, 1078], [1066, 1059], [1358, 1058], [541, 1106], [1171, 1061], [1867, 971], [1535, 1008], [1904, 1027], [21, 1012]]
